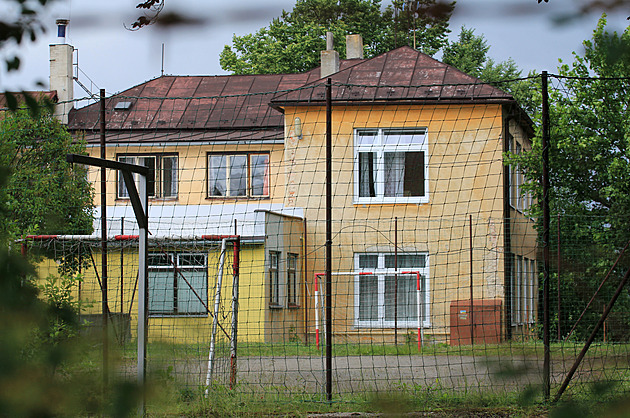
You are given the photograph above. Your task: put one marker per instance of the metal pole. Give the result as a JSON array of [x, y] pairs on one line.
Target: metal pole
[[472, 322], [143, 294], [545, 238], [396, 281], [104, 307], [558, 283], [235, 280], [590, 340], [328, 240], [122, 266], [304, 276], [588, 305]]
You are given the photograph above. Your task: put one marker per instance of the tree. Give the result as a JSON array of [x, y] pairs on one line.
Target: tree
[[44, 193], [470, 55], [590, 173], [292, 42]]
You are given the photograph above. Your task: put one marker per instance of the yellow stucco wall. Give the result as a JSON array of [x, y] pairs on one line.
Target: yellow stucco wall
[[465, 172], [192, 166], [123, 295], [465, 177]]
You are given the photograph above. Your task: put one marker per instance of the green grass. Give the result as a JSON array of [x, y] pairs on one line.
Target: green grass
[[221, 402], [559, 351], [169, 397]]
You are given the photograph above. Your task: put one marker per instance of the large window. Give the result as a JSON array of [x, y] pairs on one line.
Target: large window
[[390, 166], [238, 175], [162, 178], [178, 284], [375, 294]]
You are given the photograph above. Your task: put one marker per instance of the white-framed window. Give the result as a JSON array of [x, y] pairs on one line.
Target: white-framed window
[[238, 175], [524, 290], [292, 280], [177, 283], [275, 298], [375, 295], [391, 166], [519, 199], [162, 178]]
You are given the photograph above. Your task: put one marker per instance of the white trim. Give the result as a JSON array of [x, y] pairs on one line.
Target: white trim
[[379, 148], [380, 273]]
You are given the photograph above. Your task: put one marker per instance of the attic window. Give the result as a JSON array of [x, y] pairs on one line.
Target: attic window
[[122, 106]]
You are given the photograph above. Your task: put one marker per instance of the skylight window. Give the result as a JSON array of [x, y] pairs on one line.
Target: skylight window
[[123, 106]]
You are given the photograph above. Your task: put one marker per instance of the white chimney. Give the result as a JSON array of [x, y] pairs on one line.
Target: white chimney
[[61, 79], [330, 58], [354, 47]]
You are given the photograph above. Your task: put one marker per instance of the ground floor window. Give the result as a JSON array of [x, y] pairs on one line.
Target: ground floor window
[[178, 283], [274, 279], [376, 298], [524, 290]]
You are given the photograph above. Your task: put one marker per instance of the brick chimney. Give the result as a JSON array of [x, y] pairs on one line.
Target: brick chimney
[[354, 47], [61, 79], [330, 58]]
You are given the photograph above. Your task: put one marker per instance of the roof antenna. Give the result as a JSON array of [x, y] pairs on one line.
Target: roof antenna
[[162, 58]]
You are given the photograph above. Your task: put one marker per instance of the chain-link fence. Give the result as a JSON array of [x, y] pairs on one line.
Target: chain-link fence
[[342, 238]]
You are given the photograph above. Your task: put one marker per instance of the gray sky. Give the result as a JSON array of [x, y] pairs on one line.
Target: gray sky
[[114, 58]]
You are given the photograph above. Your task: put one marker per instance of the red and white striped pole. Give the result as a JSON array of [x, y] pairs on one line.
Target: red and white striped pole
[[418, 306]]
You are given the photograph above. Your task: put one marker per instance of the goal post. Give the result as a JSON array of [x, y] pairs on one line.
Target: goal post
[[319, 304], [232, 336]]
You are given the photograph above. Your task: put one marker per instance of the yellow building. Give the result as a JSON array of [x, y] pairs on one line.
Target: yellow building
[[426, 214]]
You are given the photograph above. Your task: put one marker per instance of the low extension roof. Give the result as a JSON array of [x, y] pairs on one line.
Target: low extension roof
[[37, 95]]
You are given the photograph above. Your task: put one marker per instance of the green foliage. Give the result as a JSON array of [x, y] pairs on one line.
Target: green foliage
[[590, 177], [44, 194], [470, 55], [41, 353], [292, 42], [21, 23]]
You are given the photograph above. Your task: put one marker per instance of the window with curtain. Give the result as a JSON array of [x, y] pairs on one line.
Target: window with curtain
[[391, 165], [238, 175], [162, 178], [376, 297], [178, 284]]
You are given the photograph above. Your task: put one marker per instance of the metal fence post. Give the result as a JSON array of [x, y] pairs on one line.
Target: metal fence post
[[545, 237]]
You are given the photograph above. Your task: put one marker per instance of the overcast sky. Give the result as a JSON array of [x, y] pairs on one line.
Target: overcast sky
[[116, 59]]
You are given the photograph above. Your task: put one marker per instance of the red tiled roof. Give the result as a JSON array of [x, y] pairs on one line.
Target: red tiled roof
[[401, 75], [194, 103], [213, 107], [38, 95]]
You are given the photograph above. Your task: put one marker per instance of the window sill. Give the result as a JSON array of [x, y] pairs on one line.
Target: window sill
[[401, 326], [276, 307], [238, 198], [151, 199], [293, 306], [401, 201]]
